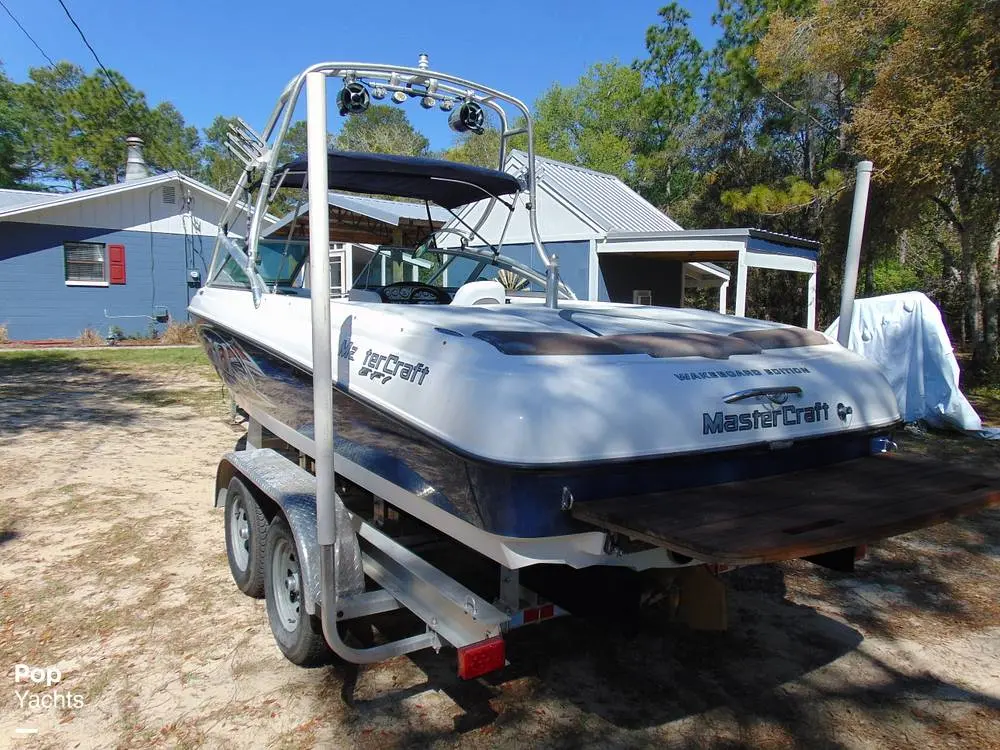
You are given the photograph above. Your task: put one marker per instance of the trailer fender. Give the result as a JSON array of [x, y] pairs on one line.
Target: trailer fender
[[292, 490]]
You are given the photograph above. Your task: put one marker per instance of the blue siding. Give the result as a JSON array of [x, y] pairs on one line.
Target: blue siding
[[574, 261], [35, 302]]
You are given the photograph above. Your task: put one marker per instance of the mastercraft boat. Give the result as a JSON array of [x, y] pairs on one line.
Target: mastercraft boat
[[463, 439], [478, 393], [485, 388]]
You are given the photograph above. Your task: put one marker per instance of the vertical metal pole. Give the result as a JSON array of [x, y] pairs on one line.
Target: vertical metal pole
[[864, 176], [319, 285], [811, 302], [552, 282]]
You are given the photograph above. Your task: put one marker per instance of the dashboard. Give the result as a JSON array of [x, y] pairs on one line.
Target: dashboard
[[414, 293]]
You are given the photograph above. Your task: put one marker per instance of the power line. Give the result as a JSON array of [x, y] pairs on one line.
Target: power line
[[30, 37], [100, 64], [107, 74]]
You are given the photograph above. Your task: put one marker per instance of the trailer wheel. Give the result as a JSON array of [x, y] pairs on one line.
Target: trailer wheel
[[246, 535], [298, 634]]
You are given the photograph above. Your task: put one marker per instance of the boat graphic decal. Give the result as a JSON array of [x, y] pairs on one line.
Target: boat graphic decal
[[748, 373], [787, 416], [385, 367]]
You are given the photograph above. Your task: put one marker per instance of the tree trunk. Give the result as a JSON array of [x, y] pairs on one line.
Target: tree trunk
[[966, 226], [971, 300], [987, 353]]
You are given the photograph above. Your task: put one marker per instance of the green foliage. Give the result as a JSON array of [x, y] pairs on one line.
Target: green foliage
[[75, 127], [15, 168], [793, 194], [384, 129], [890, 276], [601, 123], [219, 168], [480, 150]]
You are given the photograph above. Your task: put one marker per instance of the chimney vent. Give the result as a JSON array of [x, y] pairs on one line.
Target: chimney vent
[[135, 165]]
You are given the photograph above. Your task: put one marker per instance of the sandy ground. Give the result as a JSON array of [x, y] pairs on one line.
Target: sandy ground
[[113, 571]]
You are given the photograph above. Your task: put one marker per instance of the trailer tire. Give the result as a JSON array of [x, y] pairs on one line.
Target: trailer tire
[[298, 634], [246, 537]]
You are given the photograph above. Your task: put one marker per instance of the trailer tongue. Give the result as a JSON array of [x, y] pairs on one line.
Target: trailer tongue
[[800, 514]]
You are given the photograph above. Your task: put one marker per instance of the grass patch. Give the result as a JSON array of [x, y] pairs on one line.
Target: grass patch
[[986, 400], [111, 358], [197, 398]]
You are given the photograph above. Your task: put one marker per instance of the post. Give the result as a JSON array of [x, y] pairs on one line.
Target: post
[[811, 302], [864, 176], [319, 286], [552, 282], [741, 284], [723, 289]]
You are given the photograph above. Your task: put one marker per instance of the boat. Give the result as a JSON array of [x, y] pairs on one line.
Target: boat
[[480, 396]]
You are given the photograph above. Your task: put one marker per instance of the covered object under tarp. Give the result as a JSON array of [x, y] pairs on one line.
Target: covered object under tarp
[[904, 335]]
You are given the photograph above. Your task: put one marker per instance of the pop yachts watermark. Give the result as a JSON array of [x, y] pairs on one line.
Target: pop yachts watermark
[[28, 680], [385, 367], [785, 416]]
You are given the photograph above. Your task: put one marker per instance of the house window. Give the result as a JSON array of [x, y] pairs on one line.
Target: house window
[[337, 274], [85, 263]]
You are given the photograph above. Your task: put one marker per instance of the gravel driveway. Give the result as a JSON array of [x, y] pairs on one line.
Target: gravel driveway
[[113, 577]]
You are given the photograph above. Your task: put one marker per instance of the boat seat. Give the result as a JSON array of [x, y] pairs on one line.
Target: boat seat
[[480, 293], [363, 295]]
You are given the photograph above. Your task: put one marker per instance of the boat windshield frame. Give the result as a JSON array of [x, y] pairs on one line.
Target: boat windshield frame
[[485, 257]]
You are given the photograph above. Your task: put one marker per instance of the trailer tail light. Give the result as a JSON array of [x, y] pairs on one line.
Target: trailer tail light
[[536, 614], [481, 658]]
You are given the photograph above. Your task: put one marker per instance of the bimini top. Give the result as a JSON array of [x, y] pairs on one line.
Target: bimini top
[[447, 183]]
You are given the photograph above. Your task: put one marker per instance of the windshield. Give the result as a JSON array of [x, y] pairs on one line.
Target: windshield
[[448, 269], [278, 263]]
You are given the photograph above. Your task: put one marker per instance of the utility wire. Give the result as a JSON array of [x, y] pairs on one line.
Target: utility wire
[[107, 74], [25, 31]]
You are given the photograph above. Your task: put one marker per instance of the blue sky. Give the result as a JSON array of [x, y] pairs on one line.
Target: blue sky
[[214, 57]]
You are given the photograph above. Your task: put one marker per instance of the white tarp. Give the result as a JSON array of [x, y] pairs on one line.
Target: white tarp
[[903, 334]]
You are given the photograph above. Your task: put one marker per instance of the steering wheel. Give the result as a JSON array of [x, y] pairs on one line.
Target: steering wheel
[[413, 293]]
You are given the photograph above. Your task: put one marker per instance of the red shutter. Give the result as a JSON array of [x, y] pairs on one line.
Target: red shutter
[[116, 264]]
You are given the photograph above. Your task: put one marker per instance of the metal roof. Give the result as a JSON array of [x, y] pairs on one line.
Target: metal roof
[[380, 209], [45, 200], [741, 234], [602, 199], [12, 198]]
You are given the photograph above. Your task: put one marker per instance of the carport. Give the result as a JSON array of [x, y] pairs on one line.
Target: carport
[[628, 255]]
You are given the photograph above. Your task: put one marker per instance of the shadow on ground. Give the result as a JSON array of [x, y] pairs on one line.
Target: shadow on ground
[[58, 391], [760, 672]]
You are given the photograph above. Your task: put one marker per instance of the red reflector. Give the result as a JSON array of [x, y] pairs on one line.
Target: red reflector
[[481, 658], [530, 615], [547, 611]]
